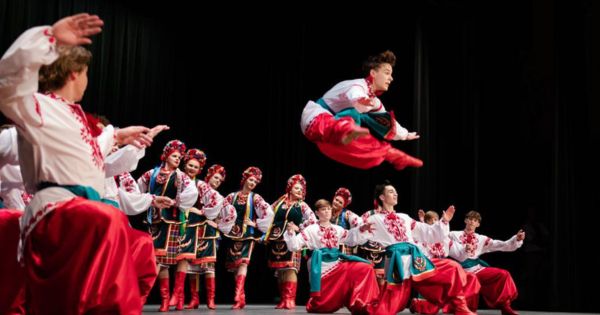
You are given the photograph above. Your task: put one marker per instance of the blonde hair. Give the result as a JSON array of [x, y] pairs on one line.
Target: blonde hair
[[430, 215], [322, 203]]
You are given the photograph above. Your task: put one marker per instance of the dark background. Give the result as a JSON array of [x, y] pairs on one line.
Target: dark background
[[504, 94]]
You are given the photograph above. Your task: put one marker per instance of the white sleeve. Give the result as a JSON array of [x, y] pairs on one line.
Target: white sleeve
[[188, 195], [356, 237], [123, 160], [295, 242], [435, 233], [106, 140], [401, 132], [491, 245], [265, 213], [19, 69], [144, 181], [8, 147], [133, 203], [457, 251]]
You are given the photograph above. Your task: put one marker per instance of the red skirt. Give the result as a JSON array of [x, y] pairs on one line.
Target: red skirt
[[79, 260], [12, 274], [350, 284]]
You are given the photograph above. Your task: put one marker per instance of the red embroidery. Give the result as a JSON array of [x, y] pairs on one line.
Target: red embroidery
[[395, 225], [328, 236], [469, 239], [38, 110], [437, 250], [86, 136]]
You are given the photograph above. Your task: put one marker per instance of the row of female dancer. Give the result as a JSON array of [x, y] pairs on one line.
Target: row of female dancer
[[416, 251], [72, 251]]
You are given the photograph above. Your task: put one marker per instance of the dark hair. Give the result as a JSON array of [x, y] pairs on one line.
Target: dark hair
[[473, 215], [374, 62], [379, 189], [71, 59]]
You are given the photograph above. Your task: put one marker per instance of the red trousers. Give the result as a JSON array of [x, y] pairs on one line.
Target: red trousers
[[497, 286], [12, 274], [79, 261], [351, 284], [445, 285]]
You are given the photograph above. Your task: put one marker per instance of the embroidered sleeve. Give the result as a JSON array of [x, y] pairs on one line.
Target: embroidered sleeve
[[307, 215], [491, 245], [19, 69], [353, 219], [123, 160], [144, 181], [264, 213], [227, 217], [210, 199], [295, 242]]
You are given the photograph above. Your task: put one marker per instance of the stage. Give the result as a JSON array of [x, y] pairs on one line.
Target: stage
[[270, 310]]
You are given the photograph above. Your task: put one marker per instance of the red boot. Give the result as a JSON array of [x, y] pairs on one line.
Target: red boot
[[282, 295], [290, 303], [164, 294], [178, 290], [240, 294], [210, 292], [401, 160], [460, 306], [195, 301], [507, 310]]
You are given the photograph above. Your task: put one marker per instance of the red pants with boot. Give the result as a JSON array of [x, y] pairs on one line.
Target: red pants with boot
[[350, 284], [12, 286]]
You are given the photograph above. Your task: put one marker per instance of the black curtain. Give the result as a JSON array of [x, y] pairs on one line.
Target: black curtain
[[503, 93]]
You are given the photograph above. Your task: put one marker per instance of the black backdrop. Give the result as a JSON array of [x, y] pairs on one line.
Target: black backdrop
[[504, 94]]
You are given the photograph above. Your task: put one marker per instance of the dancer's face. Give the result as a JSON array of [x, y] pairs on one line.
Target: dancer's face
[[173, 160], [338, 203], [324, 213], [216, 181], [389, 196], [297, 191], [251, 183], [382, 77], [192, 168]]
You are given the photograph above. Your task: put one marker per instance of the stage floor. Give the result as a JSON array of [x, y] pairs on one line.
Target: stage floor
[[270, 310]]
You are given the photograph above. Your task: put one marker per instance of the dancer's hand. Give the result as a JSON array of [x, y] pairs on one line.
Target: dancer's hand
[[162, 202], [157, 129], [412, 136], [366, 227], [291, 227], [520, 235], [135, 135], [249, 222], [449, 214], [421, 215], [75, 30]]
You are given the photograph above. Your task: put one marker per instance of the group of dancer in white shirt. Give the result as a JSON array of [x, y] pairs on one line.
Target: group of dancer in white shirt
[[70, 249]]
